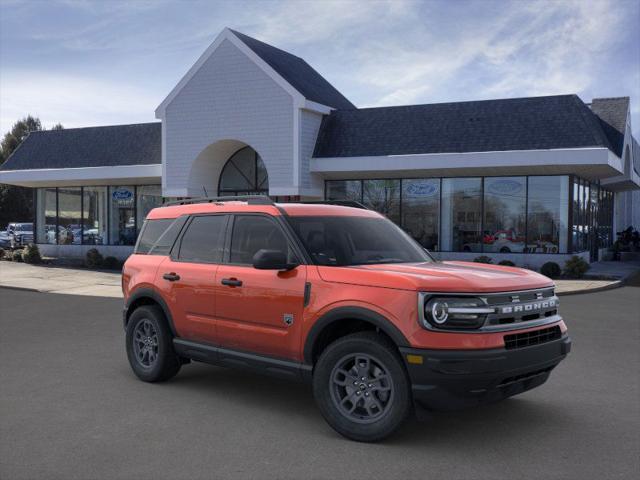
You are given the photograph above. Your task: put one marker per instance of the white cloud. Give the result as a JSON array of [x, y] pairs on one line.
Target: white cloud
[[72, 101]]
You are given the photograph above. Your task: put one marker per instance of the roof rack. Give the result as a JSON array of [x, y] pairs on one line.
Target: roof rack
[[342, 203], [250, 199]]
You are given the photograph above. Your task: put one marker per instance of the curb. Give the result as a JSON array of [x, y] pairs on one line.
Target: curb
[[611, 286], [25, 289]]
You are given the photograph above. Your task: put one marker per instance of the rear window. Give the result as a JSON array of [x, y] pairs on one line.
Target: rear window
[[158, 236]]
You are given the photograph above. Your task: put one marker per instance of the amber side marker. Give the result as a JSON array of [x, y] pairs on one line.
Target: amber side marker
[[415, 359]]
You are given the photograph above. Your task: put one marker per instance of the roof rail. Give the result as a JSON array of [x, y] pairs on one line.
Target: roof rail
[[342, 203], [250, 199]]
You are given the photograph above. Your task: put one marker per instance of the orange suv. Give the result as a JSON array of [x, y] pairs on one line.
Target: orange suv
[[338, 296]]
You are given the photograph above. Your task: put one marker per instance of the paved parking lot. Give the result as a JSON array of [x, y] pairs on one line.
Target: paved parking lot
[[70, 408]]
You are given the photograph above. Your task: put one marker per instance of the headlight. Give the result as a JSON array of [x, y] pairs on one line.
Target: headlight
[[454, 312]]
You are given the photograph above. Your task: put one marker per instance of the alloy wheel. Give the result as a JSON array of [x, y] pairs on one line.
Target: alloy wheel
[[361, 388]]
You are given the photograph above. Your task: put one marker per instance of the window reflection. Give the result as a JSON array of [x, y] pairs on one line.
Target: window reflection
[[94, 204], [505, 200], [46, 216], [461, 214], [383, 196], [421, 210], [69, 216], [344, 190], [148, 198], [548, 214]]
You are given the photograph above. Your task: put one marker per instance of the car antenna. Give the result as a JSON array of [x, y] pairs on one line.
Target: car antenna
[[205, 191]]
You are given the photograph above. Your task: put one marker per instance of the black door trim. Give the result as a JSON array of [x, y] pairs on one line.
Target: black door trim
[[224, 357]]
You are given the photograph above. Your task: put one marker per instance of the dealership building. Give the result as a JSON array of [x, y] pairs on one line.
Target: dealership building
[[525, 179]]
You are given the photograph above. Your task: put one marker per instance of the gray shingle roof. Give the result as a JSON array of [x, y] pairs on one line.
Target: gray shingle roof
[[612, 113], [298, 73], [562, 121], [138, 144]]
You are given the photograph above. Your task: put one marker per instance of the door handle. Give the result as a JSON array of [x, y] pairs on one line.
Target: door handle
[[172, 277], [231, 282]]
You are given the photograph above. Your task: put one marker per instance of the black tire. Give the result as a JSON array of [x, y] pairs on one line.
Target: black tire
[[166, 363], [393, 406]]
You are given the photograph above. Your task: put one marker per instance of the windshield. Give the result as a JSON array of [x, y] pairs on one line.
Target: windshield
[[23, 227], [343, 241]]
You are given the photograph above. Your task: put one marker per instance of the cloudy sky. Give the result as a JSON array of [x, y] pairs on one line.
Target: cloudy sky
[[82, 62]]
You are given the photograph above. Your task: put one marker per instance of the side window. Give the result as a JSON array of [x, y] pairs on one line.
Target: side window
[[151, 232], [203, 241], [167, 239], [252, 233]]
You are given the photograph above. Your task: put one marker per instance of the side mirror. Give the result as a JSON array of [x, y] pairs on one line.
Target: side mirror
[[272, 260]]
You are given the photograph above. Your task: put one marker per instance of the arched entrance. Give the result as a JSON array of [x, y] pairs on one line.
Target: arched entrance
[[244, 174]]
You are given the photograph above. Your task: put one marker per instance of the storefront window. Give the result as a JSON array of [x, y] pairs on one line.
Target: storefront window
[[548, 214], [94, 216], [505, 203], [70, 216], [382, 196], [46, 215], [122, 219], [461, 214], [421, 210], [148, 198], [344, 190]]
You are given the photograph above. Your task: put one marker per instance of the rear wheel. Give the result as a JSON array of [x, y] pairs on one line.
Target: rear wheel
[[361, 387], [150, 345]]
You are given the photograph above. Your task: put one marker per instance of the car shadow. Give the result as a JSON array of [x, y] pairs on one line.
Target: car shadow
[[510, 420]]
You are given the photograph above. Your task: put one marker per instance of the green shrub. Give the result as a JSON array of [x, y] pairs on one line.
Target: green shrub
[[575, 267], [506, 263], [31, 254], [551, 270], [2, 252], [16, 256], [111, 263], [482, 259], [93, 259]]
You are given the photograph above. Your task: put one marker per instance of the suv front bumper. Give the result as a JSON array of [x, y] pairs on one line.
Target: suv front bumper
[[453, 379]]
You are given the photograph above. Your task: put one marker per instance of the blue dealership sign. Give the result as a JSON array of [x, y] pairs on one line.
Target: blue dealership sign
[[422, 189], [505, 187], [122, 194]]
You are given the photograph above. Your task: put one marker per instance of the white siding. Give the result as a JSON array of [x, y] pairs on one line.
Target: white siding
[[310, 184], [229, 98]]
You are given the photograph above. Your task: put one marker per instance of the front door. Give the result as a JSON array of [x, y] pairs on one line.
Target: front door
[[259, 310], [187, 278]]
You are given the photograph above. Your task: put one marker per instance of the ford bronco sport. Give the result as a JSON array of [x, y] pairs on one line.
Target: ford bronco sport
[[337, 296]]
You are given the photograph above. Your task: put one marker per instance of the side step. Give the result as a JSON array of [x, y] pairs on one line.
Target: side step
[[248, 361]]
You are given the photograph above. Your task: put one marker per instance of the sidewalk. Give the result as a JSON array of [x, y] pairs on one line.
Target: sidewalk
[[72, 281], [79, 281]]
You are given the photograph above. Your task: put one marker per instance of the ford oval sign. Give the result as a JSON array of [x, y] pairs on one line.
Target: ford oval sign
[[422, 189], [122, 194], [505, 187]]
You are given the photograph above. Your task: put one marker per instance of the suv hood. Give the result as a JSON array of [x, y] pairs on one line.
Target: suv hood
[[438, 277]]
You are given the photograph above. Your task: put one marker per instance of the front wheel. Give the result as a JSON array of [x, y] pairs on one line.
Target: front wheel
[[150, 345], [361, 387]]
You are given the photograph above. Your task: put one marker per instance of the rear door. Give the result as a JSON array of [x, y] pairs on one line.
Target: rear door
[[187, 278], [259, 310]]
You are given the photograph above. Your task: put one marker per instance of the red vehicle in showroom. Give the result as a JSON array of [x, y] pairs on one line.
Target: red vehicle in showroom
[[338, 296]]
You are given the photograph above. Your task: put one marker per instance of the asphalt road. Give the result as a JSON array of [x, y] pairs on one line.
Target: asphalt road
[[71, 408]]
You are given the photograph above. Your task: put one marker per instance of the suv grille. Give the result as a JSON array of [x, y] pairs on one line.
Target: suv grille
[[516, 307], [536, 337]]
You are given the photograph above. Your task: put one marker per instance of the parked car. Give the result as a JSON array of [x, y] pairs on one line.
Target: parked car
[[504, 241], [4, 239], [19, 234], [340, 297]]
